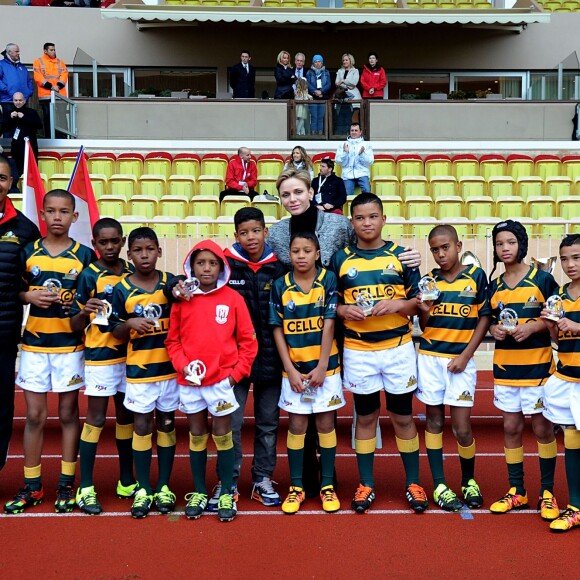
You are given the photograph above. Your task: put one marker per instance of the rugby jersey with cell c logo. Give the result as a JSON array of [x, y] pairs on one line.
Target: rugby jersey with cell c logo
[[455, 314], [380, 273], [49, 329], [147, 358], [96, 281], [528, 363], [568, 367], [301, 315]]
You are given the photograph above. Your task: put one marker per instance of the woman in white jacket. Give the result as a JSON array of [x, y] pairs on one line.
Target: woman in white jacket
[[355, 156], [347, 78]]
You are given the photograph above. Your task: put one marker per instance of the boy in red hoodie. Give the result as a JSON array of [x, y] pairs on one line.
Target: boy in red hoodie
[[212, 345]]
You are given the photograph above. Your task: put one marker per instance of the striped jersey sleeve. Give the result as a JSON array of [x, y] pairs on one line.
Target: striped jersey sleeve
[[101, 347], [301, 315], [49, 329], [528, 363], [380, 273], [147, 357], [455, 314], [568, 367]]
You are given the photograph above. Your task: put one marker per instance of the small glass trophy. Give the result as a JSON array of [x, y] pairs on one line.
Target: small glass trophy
[[153, 312], [102, 315], [366, 302], [191, 285], [309, 393], [428, 289], [53, 285], [545, 264], [196, 372], [508, 318], [555, 308], [470, 259]]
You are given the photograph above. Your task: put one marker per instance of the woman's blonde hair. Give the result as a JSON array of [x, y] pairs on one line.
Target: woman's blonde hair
[[350, 58], [281, 54], [303, 176], [301, 86]]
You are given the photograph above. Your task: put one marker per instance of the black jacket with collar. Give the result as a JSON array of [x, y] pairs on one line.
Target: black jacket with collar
[[333, 190]]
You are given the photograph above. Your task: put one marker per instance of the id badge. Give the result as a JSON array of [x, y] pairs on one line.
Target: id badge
[[16, 133], [319, 84]]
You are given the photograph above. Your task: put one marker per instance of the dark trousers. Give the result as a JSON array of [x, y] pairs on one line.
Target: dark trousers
[[7, 370], [267, 414], [45, 105], [225, 192]]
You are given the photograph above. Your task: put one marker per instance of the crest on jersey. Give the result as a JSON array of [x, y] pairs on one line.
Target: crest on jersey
[[221, 313], [352, 273], [532, 303], [319, 302], [73, 274], [390, 269]]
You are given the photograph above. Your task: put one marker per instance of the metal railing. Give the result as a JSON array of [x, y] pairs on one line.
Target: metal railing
[[63, 117]]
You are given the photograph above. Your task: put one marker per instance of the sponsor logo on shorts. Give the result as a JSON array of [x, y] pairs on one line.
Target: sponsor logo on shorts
[[539, 404], [350, 386], [419, 391], [221, 313], [412, 381], [75, 380], [286, 403], [100, 388], [465, 396], [495, 400], [336, 400], [130, 401], [222, 406], [73, 274]]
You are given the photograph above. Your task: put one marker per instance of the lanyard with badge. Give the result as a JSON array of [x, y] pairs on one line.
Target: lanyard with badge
[[318, 196]]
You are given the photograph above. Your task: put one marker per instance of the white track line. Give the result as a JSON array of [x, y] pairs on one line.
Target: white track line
[[407, 512]]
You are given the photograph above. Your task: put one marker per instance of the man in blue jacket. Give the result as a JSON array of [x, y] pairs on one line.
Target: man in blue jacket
[[14, 78]]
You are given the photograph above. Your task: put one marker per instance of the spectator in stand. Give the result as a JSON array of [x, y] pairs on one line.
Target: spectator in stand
[[346, 83], [285, 77], [50, 74], [373, 79], [329, 189], [299, 70], [14, 78], [355, 156], [302, 112], [300, 161], [319, 86], [243, 77], [20, 123], [242, 175]]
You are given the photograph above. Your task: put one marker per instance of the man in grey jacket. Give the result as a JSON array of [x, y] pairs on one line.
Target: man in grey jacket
[[355, 157]]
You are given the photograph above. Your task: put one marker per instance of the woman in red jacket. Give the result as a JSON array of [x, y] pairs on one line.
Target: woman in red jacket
[[373, 79]]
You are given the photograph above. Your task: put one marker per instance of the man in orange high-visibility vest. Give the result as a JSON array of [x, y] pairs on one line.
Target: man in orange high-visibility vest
[[50, 74]]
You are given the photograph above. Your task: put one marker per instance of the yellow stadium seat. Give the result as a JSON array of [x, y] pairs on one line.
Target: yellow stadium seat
[[174, 205], [131, 222], [479, 207], [551, 6], [492, 166], [461, 225], [101, 165], [464, 166], [548, 166], [394, 229], [16, 199], [197, 226], [268, 207], [167, 226], [437, 166], [44, 179], [551, 228], [214, 166], [413, 185], [571, 166], [267, 183], [520, 166], [123, 184], [67, 164], [443, 186], [232, 203], [130, 165], [383, 165], [385, 185], [100, 184], [447, 5], [272, 3], [350, 4], [205, 206], [484, 228], [422, 226], [558, 186], [569, 207], [144, 205], [48, 165], [409, 166], [392, 205], [112, 206], [59, 181], [157, 166], [529, 186], [500, 186], [472, 186], [448, 207], [418, 207], [512, 207], [181, 185], [154, 185], [268, 166], [541, 207], [210, 184], [224, 227], [186, 166]]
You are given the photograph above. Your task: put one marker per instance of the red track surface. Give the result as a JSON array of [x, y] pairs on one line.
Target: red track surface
[[389, 541]]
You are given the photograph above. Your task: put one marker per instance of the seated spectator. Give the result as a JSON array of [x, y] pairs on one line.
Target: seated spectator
[[302, 112], [285, 77], [329, 189], [300, 161], [373, 79], [319, 86], [241, 175]]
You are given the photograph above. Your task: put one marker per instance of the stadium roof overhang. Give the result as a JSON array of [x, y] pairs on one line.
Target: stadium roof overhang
[[149, 16]]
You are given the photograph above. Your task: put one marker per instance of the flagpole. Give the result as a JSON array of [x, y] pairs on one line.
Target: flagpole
[[25, 176], [72, 175]]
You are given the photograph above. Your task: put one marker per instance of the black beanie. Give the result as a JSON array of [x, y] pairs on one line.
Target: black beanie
[[519, 231]]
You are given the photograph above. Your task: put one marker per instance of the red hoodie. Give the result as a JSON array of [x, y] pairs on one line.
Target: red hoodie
[[213, 327]]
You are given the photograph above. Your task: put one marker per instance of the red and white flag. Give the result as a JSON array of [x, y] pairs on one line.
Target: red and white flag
[[80, 186]]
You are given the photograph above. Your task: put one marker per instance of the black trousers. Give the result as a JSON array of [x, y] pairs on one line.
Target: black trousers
[[7, 370], [227, 192]]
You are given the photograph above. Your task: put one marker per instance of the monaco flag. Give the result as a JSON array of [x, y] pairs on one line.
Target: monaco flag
[[80, 186]]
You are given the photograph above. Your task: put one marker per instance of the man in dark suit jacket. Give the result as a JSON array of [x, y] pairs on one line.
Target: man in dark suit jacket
[[243, 77]]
